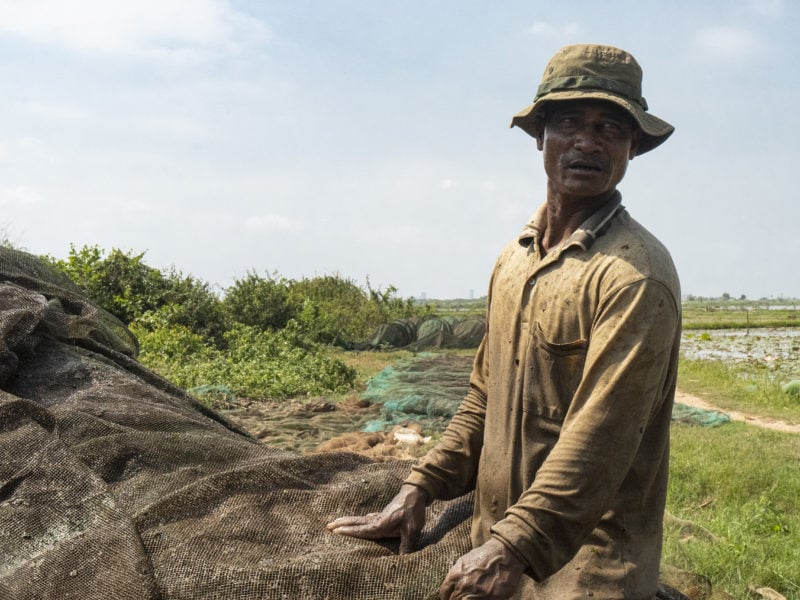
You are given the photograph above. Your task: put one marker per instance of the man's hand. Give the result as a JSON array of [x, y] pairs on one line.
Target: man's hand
[[489, 572], [403, 517]]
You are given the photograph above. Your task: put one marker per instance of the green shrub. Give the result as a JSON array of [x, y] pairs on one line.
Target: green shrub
[[125, 286], [256, 364], [282, 364], [257, 301], [334, 310], [121, 283]]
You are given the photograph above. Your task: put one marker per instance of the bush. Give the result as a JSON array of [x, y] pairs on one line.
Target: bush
[[256, 364], [126, 287], [334, 310], [261, 302], [282, 364], [264, 340]]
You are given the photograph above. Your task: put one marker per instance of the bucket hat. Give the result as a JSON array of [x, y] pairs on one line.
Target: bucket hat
[[593, 72]]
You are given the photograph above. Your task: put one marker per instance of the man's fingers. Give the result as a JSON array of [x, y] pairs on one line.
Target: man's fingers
[[446, 589], [351, 521], [409, 536], [369, 527]]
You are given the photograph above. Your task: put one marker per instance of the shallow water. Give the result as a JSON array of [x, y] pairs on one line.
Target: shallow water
[[772, 348]]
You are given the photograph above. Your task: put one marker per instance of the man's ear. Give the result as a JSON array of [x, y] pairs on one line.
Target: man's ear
[[636, 137]]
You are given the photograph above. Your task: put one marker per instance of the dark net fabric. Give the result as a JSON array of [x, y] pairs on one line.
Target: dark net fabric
[[115, 484]]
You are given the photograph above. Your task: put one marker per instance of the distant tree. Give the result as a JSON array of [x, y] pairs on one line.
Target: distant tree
[[332, 309], [261, 302], [128, 288], [726, 296]]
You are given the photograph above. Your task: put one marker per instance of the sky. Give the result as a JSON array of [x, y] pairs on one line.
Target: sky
[[370, 139]]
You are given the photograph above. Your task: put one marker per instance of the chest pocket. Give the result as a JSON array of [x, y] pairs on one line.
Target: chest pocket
[[552, 372]]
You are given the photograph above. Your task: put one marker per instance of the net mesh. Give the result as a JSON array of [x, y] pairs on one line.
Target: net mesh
[[427, 388], [425, 334], [116, 484]]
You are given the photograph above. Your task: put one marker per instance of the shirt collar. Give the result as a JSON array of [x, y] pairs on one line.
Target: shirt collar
[[583, 237]]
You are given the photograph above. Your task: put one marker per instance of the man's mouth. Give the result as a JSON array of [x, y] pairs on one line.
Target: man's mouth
[[585, 166]]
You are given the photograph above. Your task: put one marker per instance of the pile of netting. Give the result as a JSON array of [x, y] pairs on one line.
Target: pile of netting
[[691, 415], [427, 389], [433, 332], [116, 484]]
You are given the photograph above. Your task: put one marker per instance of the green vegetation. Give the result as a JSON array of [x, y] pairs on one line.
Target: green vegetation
[[738, 484], [127, 288], [740, 488], [739, 386], [719, 313], [254, 364], [459, 307], [267, 337]]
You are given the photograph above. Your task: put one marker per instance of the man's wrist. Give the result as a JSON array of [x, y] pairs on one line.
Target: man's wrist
[[511, 551], [411, 489]]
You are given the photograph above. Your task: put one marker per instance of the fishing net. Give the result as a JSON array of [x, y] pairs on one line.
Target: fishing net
[[683, 413], [426, 388], [431, 333], [116, 484]]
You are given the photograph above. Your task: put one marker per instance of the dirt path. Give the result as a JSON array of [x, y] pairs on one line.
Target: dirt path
[[764, 422]]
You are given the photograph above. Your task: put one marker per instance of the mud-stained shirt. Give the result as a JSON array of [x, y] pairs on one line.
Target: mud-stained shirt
[[564, 433]]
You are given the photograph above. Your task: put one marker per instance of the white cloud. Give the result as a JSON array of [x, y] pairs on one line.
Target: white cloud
[[544, 29], [262, 223], [447, 184], [181, 30], [18, 196], [729, 43]]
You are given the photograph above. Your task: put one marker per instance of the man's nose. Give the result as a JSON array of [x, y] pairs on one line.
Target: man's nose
[[588, 137]]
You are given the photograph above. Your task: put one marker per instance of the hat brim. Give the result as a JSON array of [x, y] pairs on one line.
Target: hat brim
[[655, 131]]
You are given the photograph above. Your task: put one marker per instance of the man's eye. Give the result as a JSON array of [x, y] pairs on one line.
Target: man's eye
[[567, 122], [613, 128]]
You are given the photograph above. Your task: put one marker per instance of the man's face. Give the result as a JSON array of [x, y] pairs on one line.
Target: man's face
[[587, 145]]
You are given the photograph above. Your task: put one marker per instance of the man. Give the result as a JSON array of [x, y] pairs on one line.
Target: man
[[564, 433]]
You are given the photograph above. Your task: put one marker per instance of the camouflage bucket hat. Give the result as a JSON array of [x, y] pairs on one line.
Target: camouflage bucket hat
[[590, 72]]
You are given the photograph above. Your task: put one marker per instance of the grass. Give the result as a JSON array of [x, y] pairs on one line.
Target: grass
[[738, 482], [716, 316], [368, 364], [736, 386], [742, 484]]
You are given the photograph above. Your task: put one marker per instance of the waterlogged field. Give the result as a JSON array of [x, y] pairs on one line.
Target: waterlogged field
[[744, 370], [776, 350]]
